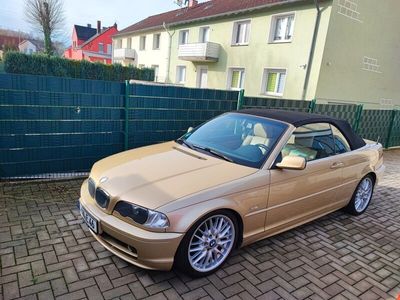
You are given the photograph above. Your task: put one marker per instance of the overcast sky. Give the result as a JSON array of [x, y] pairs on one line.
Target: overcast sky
[[82, 12]]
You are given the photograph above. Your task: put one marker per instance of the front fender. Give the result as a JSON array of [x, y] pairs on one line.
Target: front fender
[[183, 219]]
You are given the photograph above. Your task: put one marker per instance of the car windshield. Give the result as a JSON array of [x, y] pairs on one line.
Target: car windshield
[[239, 138]]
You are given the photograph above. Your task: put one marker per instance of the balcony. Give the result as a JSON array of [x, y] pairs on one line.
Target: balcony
[[124, 53], [199, 52]]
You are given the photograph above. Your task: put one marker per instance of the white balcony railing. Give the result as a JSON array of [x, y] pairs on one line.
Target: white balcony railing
[[207, 52], [124, 53]]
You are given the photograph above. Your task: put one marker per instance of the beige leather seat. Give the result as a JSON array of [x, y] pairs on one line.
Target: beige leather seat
[[259, 136]]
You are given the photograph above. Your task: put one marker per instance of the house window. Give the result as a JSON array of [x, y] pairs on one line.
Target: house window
[[282, 28], [119, 43], [241, 33], [274, 82], [101, 47], [156, 41], [156, 69], [109, 48], [204, 34], [180, 74], [235, 79], [129, 43], [183, 37], [142, 45]]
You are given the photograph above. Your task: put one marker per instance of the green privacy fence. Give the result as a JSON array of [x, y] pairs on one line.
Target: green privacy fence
[[51, 125], [257, 102], [382, 125], [159, 113], [57, 125]]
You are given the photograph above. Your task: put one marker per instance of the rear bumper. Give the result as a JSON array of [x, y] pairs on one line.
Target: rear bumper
[[145, 249]]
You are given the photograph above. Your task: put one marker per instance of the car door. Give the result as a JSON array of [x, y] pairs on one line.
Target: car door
[[297, 196]]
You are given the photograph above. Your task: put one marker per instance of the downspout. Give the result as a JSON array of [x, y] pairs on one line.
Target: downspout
[[312, 50], [167, 79]]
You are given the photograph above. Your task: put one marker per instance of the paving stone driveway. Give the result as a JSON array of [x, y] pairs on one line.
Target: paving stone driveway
[[46, 252]]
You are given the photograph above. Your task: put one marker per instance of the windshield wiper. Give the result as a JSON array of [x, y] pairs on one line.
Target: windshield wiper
[[182, 141], [206, 149], [214, 152]]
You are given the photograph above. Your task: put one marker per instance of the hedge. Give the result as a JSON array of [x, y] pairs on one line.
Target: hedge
[[39, 64]]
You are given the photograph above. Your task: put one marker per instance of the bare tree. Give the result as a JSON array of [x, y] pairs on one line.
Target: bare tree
[[47, 16]]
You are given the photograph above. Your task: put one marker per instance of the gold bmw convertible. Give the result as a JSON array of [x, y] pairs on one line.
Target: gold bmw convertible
[[234, 180]]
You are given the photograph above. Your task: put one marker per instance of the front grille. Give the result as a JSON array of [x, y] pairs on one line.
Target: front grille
[[91, 187], [102, 198]]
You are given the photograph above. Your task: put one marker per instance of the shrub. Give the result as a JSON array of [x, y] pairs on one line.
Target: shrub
[[39, 64]]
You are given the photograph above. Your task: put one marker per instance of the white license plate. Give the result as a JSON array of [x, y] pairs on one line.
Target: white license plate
[[89, 220]]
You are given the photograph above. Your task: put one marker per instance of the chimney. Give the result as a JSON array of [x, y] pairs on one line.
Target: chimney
[[98, 27], [89, 25], [193, 3]]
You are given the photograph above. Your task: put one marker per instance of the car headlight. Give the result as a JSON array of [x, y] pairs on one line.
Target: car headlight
[[141, 215]]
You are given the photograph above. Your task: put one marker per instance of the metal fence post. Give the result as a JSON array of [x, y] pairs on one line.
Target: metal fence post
[[357, 120], [126, 106], [313, 104], [240, 99], [389, 136]]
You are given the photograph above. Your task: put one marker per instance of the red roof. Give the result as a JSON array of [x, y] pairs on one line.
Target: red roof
[[209, 9], [9, 41]]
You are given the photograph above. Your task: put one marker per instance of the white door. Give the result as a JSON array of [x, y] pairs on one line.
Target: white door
[[202, 74]]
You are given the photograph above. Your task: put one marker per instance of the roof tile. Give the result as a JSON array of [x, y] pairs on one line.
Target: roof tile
[[202, 10]]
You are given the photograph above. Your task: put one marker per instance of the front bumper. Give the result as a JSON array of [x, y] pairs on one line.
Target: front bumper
[[145, 249]]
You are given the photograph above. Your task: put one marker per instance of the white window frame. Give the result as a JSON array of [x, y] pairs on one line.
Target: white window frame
[[198, 76], [178, 74], [274, 19], [265, 81], [119, 44], [201, 34], [156, 71], [156, 36], [129, 43], [241, 79], [180, 37], [142, 43], [235, 32]]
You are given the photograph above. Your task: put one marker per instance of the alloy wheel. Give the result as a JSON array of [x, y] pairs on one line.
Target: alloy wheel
[[363, 194], [211, 243]]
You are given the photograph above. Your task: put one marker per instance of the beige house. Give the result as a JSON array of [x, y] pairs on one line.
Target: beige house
[[338, 51]]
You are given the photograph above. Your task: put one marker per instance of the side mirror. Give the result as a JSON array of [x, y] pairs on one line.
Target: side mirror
[[190, 129], [292, 163]]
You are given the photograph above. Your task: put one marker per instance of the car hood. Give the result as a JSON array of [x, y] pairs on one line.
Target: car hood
[[157, 175]]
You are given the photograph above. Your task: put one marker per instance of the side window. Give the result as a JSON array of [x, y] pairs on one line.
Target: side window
[[341, 144], [311, 141]]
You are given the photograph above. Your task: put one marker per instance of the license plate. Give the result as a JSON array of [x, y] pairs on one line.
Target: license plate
[[89, 220]]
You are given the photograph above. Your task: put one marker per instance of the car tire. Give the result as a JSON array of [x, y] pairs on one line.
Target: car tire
[[208, 244], [362, 196]]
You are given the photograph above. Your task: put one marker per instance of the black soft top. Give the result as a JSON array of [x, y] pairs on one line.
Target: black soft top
[[298, 119]]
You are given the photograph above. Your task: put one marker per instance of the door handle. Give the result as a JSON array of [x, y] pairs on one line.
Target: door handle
[[337, 165]]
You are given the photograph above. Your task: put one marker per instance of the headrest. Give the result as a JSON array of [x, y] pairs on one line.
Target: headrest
[[304, 141], [259, 130]]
